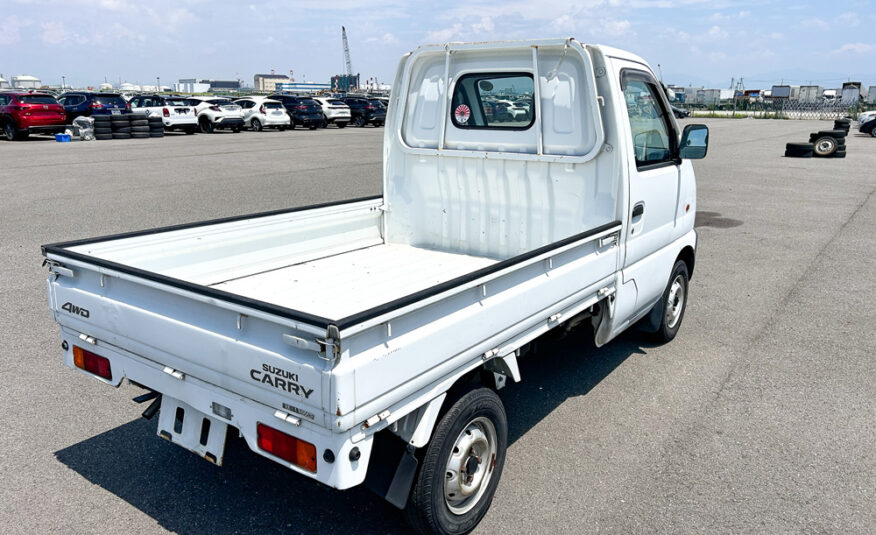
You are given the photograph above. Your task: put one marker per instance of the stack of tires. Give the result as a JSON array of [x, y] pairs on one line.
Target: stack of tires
[[103, 127], [139, 125], [842, 124], [156, 126], [121, 126], [798, 150]]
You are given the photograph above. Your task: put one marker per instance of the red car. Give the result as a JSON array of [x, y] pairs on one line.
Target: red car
[[22, 114]]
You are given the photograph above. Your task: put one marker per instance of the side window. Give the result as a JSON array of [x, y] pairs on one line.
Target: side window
[[653, 140], [490, 101]]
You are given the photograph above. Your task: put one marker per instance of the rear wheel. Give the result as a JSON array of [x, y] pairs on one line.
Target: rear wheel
[[10, 132], [873, 132], [359, 121], [256, 125], [206, 125], [824, 146], [341, 125], [461, 466]]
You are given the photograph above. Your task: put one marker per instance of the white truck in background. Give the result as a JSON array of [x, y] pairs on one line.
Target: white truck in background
[[364, 341]]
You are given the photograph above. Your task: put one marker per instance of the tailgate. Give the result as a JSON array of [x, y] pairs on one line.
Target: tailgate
[[247, 351]]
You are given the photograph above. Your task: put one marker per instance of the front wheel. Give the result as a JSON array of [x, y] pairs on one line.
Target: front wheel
[[873, 132], [461, 466], [673, 303]]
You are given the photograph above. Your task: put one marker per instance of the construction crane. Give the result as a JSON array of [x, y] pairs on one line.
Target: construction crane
[[347, 61]]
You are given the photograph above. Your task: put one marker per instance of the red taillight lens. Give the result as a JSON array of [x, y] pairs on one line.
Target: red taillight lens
[[300, 107], [215, 108], [96, 105], [370, 107], [287, 447], [262, 109], [165, 112], [88, 361]]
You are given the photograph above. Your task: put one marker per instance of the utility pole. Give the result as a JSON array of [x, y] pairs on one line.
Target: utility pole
[[63, 82], [158, 84]]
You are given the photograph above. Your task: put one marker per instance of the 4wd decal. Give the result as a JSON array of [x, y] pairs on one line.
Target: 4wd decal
[[281, 379], [73, 309]]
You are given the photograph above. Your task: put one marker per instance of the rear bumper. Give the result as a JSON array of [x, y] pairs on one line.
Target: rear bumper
[[268, 120], [180, 122], [46, 129], [229, 122], [246, 414]]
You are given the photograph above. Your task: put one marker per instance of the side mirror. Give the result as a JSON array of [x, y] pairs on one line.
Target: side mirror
[[694, 142]]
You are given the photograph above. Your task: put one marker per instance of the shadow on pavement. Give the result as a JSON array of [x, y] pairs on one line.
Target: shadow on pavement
[[250, 494]]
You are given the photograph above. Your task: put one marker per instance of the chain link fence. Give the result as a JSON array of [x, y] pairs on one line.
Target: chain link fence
[[778, 109]]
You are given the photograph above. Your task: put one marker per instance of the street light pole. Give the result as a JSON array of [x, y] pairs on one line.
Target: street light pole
[[158, 84], [63, 82]]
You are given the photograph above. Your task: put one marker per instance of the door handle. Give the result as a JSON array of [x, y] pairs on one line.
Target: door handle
[[638, 209]]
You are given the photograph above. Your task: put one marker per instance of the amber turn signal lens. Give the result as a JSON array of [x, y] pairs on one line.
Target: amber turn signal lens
[[92, 363], [287, 447]]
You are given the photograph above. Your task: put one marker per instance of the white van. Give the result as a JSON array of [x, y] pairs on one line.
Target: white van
[[363, 341]]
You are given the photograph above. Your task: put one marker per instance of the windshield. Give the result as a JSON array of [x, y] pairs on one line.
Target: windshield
[[334, 102], [37, 99], [307, 102], [111, 100]]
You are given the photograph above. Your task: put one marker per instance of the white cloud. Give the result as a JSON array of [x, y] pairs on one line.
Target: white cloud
[[444, 34], [10, 30], [485, 25], [616, 28], [813, 23], [848, 19], [389, 39], [859, 48], [54, 33]]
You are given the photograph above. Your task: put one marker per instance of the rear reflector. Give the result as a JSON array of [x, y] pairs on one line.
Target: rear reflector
[[287, 447], [88, 361]]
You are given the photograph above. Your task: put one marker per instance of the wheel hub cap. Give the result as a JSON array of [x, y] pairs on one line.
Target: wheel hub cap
[[674, 302], [470, 466]]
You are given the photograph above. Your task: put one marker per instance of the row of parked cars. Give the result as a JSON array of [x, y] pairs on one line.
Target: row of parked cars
[[25, 113]]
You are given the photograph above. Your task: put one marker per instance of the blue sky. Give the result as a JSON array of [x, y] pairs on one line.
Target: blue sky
[[703, 42]]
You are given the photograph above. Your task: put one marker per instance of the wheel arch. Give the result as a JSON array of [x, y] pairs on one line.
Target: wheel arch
[[688, 256]]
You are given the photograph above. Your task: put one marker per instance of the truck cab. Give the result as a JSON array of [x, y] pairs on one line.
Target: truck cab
[[363, 341]]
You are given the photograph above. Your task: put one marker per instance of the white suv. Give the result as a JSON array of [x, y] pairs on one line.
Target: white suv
[[261, 112], [334, 111], [217, 112], [176, 112]]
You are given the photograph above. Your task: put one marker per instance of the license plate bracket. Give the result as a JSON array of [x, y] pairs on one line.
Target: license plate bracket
[[188, 427]]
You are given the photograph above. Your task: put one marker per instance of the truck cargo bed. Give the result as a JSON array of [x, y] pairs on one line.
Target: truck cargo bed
[[345, 284]]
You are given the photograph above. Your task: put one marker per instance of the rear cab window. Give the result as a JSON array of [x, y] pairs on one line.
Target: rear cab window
[[37, 99], [487, 101]]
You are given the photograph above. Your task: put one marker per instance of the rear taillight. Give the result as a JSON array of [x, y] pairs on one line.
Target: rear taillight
[[262, 110], [165, 112], [215, 108], [88, 361], [96, 106], [370, 107], [300, 107], [287, 447]]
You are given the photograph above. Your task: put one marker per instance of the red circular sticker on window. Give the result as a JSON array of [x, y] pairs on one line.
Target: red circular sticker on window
[[462, 113]]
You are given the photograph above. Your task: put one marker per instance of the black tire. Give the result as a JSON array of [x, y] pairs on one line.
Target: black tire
[[281, 128], [205, 125], [831, 133], [122, 130], [140, 135], [121, 135], [102, 120], [428, 510], [235, 129], [825, 146], [103, 137], [341, 125], [799, 146], [839, 154], [189, 131], [140, 122], [312, 126], [873, 132], [11, 133], [159, 134], [359, 121], [671, 318], [256, 125], [143, 128], [796, 154], [102, 130], [137, 117]]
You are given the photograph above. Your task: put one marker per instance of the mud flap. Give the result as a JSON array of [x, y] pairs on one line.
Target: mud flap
[[392, 469]]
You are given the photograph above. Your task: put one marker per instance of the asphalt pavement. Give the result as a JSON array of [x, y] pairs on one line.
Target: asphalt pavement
[[760, 417]]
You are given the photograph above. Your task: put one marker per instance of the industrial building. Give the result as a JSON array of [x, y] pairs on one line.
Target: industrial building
[[268, 82], [301, 87], [202, 85], [4, 84], [23, 81]]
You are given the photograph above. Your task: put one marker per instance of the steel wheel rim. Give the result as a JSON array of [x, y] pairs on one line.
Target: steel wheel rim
[[10, 132], [674, 302], [825, 146], [470, 466]]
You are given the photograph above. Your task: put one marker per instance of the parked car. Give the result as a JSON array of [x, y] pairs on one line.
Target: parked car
[[217, 113], [365, 111], [303, 111], [89, 104], [22, 114], [865, 116], [177, 113], [261, 112], [679, 112], [363, 341], [869, 127], [334, 111]]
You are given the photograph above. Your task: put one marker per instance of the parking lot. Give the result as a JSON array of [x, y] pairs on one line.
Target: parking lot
[[759, 417]]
